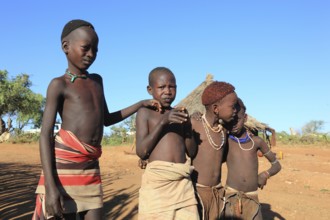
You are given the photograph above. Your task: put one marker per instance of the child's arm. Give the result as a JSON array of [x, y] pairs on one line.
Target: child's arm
[[275, 164], [54, 199], [118, 116], [190, 141], [145, 141]]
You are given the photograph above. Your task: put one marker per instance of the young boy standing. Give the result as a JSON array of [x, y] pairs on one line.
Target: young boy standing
[[70, 182], [164, 138], [243, 179], [219, 99]]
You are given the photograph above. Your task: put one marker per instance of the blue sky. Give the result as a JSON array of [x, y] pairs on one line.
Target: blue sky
[[276, 53]]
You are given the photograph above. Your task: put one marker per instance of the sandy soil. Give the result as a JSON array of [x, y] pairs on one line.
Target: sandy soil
[[300, 191]]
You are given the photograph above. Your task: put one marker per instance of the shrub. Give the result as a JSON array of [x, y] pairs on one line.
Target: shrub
[[307, 139], [19, 138]]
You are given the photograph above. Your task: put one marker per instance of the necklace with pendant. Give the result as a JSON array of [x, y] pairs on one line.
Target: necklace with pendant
[[74, 76]]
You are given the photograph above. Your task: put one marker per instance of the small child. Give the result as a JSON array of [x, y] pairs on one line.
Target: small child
[[219, 99], [70, 182], [242, 162], [164, 138]]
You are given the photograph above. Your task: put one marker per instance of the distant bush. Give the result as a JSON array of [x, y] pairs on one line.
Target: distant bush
[[20, 138], [116, 140], [306, 139]]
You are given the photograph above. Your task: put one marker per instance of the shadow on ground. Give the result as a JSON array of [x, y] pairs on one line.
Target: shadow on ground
[[19, 181], [17, 186], [117, 202], [268, 214]]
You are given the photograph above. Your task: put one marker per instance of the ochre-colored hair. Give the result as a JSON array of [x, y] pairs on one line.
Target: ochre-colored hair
[[216, 91], [73, 25]]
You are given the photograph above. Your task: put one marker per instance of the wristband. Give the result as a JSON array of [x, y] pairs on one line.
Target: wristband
[[275, 161], [267, 152]]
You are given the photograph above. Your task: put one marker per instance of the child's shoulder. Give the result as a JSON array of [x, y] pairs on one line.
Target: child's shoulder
[[258, 141], [95, 75], [196, 121], [256, 138], [144, 111], [58, 81], [147, 113]]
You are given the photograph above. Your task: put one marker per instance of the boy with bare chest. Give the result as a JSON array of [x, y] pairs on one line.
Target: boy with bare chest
[[165, 139], [70, 182], [243, 179], [219, 99]]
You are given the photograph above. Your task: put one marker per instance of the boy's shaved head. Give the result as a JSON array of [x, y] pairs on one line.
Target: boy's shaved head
[[156, 71], [216, 91], [73, 25]]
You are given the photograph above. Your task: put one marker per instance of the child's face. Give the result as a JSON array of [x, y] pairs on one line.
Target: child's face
[[163, 88], [226, 107], [82, 48], [238, 122]]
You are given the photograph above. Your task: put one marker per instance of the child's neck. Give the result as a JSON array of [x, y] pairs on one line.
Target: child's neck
[[243, 140], [82, 75], [242, 134], [212, 121]]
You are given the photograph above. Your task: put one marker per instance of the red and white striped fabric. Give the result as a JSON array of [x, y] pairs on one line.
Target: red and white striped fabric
[[78, 175]]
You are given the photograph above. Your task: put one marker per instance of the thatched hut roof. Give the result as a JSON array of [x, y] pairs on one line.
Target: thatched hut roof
[[193, 103]]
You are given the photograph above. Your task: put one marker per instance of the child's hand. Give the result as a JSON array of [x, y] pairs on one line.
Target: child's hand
[[177, 115], [142, 163], [153, 104], [54, 203], [262, 179]]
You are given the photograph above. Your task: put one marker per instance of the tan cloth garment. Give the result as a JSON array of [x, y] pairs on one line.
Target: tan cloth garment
[[242, 205], [211, 201], [185, 213], [167, 190]]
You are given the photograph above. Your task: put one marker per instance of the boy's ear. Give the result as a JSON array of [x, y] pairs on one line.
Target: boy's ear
[[65, 46], [149, 89], [215, 108]]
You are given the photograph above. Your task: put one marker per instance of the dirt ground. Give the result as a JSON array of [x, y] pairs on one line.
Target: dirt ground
[[300, 191]]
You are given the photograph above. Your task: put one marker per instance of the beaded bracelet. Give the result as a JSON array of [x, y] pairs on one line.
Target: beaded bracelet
[[267, 152], [275, 161]]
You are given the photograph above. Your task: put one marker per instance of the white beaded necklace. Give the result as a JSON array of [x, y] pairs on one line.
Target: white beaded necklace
[[206, 126], [216, 129], [239, 143]]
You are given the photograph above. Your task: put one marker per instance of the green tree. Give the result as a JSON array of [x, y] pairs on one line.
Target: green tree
[[18, 101], [312, 127], [130, 123], [119, 133]]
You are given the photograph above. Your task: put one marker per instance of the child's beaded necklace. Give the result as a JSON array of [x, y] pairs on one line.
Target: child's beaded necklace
[[242, 140], [74, 76], [219, 129]]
